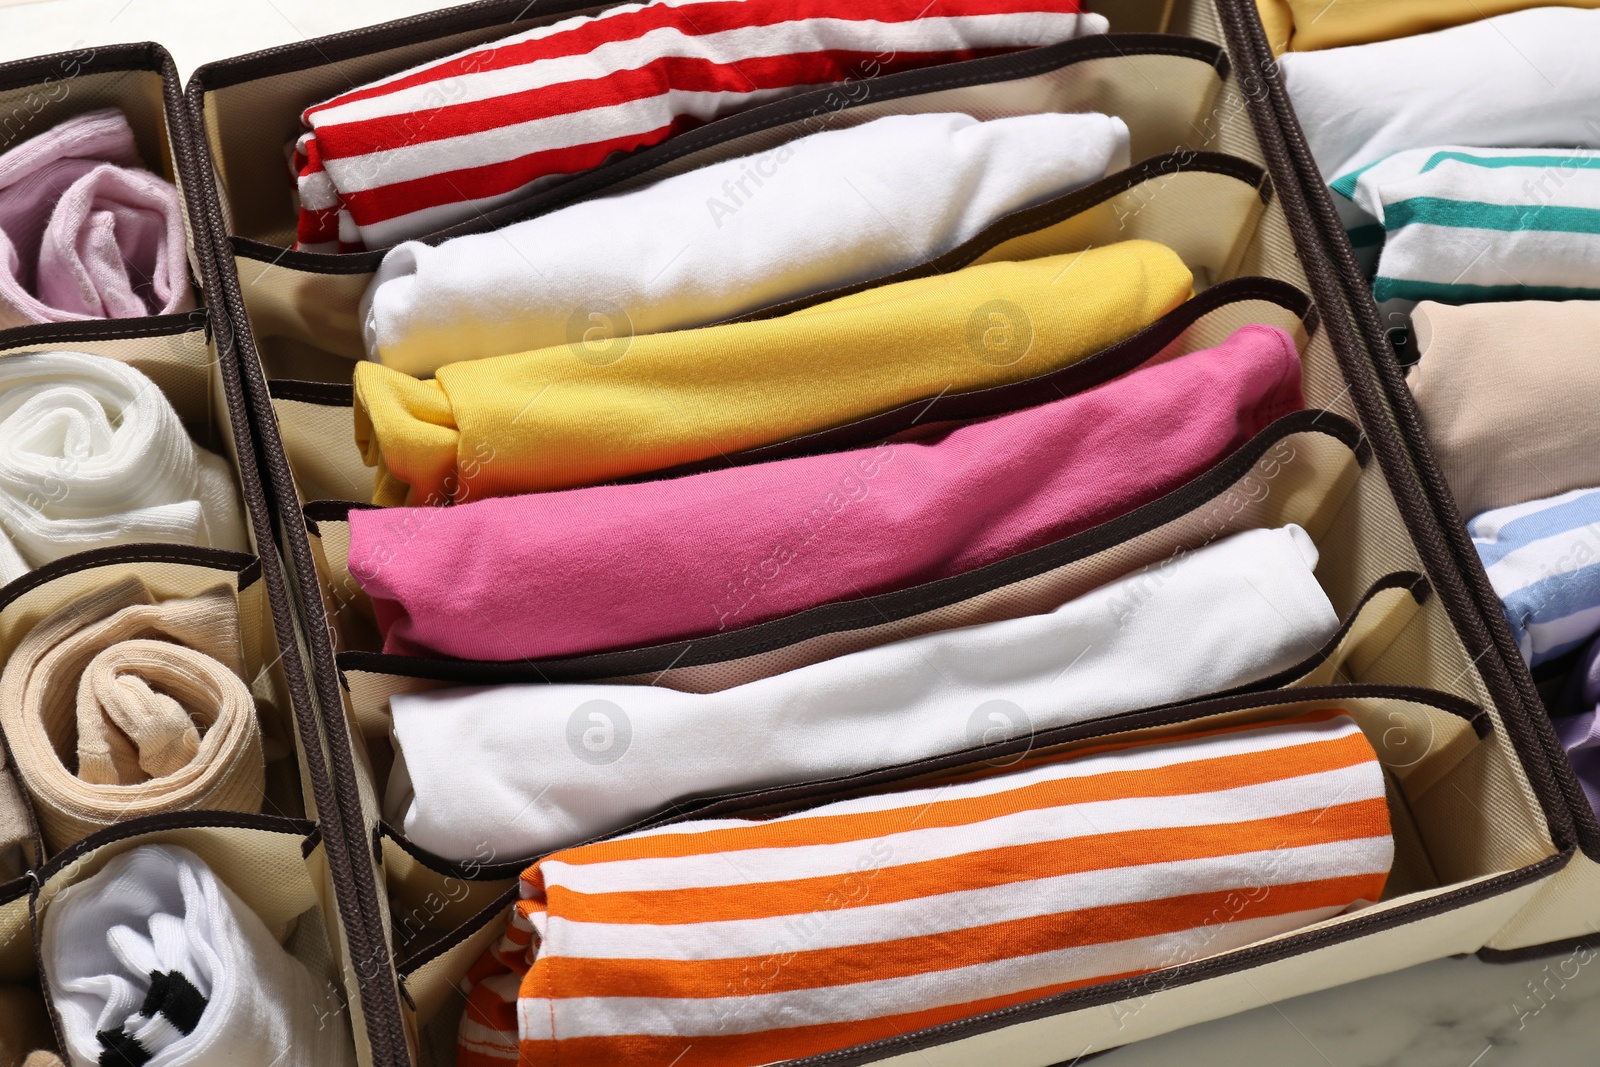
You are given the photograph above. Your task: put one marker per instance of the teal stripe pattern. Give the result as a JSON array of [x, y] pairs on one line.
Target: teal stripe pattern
[[1476, 215], [1498, 162], [1457, 293]]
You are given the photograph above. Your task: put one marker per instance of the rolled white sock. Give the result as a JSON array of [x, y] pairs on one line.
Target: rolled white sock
[[155, 957], [823, 211], [521, 769], [92, 454]]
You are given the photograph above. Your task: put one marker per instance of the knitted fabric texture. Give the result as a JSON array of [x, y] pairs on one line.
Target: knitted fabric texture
[[119, 705], [85, 231], [91, 455]]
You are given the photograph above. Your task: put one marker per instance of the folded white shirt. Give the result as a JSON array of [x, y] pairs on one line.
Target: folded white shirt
[[522, 769], [1526, 78], [823, 211], [155, 955], [1461, 225], [92, 454]]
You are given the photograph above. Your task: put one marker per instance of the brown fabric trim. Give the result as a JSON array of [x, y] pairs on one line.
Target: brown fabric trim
[[869, 611], [172, 820], [66, 333], [412, 963], [245, 566], [1010, 67], [325, 394], [334, 795], [1538, 952], [1460, 591], [97, 59]]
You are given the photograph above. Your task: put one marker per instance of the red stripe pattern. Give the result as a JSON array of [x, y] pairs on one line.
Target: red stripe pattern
[[735, 942], [435, 145]]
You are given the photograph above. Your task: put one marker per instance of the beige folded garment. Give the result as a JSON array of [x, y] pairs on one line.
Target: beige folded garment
[[24, 1027], [146, 700], [1508, 394]]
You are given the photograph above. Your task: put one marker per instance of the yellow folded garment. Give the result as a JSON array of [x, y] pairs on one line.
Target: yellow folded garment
[[566, 416], [1304, 25]]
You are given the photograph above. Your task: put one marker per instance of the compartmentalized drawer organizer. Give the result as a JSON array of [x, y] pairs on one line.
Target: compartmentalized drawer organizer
[[1564, 913], [1481, 820], [128, 605]]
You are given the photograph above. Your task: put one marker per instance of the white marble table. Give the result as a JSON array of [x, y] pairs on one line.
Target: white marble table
[[1451, 1013]]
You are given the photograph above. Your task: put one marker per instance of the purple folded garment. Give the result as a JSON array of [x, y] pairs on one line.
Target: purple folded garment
[[1578, 722], [85, 231]]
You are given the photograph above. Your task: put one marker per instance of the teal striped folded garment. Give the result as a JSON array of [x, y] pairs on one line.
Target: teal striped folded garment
[[1461, 225], [1543, 559]]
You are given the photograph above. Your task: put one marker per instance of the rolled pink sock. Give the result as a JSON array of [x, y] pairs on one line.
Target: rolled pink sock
[[611, 566], [85, 231]]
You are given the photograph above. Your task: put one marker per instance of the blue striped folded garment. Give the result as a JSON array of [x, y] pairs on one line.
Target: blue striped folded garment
[[1461, 225], [1543, 559]]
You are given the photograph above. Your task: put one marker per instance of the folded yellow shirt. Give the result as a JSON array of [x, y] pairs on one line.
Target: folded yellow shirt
[[1304, 25], [556, 418]]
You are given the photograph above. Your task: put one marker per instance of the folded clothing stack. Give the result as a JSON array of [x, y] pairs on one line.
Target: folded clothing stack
[[152, 695], [956, 898], [437, 144], [1466, 164], [553, 419], [85, 231], [1231, 613], [833, 209], [562, 573], [154, 959], [92, 454]]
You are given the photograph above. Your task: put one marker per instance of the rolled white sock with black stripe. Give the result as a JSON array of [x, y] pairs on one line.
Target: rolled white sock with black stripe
[[154, 960]]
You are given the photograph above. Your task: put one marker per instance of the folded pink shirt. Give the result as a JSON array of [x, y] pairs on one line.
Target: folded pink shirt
[[582, 570], [85, 231]]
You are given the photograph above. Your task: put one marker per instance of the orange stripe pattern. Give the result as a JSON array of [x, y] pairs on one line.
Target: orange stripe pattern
[[737, 942]]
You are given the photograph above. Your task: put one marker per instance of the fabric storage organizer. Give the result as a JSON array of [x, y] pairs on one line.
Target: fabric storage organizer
[[1563, 912], [1481, 823], [271, 848]]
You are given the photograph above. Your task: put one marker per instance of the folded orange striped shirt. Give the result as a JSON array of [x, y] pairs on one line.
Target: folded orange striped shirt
[[733, 942]]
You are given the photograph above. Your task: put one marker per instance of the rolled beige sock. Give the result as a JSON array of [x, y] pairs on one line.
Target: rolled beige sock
[[1508, 394], [119, 706]]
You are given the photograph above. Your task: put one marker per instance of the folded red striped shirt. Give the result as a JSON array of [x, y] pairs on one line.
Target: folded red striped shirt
[[733, 942], [436, 144]]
